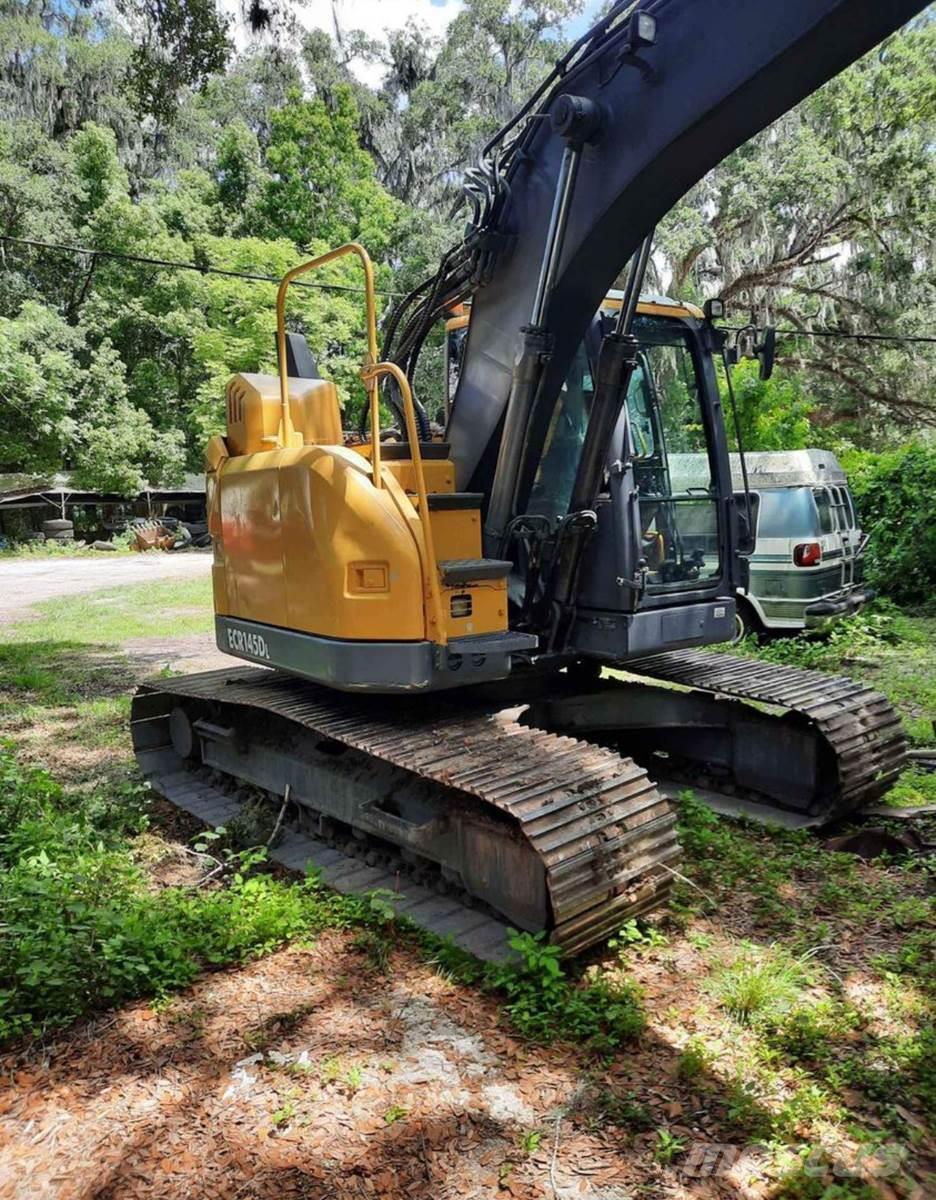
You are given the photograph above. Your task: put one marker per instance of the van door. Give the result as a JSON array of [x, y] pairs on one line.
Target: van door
[[830, 536]]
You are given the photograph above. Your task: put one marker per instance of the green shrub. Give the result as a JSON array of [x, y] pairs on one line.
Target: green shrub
[[78, 928], [895, 492], [863, 633], [761, 985], [544, 1004]]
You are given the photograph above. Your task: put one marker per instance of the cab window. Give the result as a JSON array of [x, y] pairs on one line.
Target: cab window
[[679, 523]]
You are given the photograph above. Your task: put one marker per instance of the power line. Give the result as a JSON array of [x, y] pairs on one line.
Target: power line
[[254, 277], [184, 266]]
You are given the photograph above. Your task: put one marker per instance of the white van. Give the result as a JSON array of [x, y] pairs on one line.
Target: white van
[[807, 568]]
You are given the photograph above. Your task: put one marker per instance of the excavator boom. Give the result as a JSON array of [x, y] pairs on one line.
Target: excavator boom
[[665, 112]]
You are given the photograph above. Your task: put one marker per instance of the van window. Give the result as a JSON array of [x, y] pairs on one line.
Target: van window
[[835, 500], [824, 507], [787, 513]]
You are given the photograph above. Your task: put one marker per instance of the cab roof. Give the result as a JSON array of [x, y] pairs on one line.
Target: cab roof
[[651, 304]]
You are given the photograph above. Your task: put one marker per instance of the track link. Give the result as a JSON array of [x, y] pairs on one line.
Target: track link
[[604, 834], [859, 725]]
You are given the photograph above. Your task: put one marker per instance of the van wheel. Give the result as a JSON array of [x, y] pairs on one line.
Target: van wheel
[[746, 623]]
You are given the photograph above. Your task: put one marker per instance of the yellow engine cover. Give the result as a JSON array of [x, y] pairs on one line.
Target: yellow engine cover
[[303, 540], [253, 412]]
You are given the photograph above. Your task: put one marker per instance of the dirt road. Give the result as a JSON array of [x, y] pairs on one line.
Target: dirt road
[[25, 582]]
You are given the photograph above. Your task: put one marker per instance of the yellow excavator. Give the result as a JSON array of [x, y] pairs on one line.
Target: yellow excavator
[[427, 619]]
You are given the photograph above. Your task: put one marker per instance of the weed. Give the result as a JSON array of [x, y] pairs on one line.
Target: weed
[[353, 1078], [914, 787], [912, 912], [331, 1069], [544, 1004], [530, 1141], [809, 1033], [283, 1115], [627, 1112], [694, 1060], [668, 1146], [744, 1111], [396, 1112], [759, 985], [636, 935], [375, 945], [276, 1027], [699, 939]]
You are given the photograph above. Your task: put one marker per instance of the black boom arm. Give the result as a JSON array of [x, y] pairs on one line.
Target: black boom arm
[[670, 103]]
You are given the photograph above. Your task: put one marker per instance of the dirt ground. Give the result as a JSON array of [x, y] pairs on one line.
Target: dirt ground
[[306, 1074], [26, 581]]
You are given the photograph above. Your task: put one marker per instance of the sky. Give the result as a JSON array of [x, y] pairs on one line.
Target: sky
[[376, 17]]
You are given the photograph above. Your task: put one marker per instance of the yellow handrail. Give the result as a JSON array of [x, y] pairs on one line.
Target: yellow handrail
[[370, 373], [370, 382], [409, 414]]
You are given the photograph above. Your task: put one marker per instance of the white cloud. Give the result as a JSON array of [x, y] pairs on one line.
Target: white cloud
[[375, 17]]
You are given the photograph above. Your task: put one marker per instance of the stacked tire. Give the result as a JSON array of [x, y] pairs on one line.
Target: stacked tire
[[59, 530]]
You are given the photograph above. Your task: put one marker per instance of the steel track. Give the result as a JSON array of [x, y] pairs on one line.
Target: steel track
[[604, 834], [859, 725]]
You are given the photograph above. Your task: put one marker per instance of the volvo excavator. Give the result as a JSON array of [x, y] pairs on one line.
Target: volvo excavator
[[471, 659]]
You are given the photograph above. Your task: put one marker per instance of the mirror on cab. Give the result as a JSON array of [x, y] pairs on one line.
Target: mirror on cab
[[746, 538], [751, 342], [765, 351]]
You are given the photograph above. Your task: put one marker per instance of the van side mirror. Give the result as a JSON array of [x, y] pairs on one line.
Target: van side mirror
[[765, 352]]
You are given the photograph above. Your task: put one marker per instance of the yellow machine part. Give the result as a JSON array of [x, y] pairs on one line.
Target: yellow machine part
[[253, 412], [439, 473], [304, 540], [308, 543]]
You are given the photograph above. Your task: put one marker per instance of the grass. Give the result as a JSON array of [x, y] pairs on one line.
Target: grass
[[147, 610], [775, 1040], [54, 549], [802, 1035], [914, 788], [883, 647], [81, 929], [760, 985]]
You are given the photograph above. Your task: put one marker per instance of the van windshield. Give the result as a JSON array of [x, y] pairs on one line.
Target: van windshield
[[787, 513]]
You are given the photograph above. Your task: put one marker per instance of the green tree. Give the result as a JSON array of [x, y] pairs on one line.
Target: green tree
[[773, 414], [322, 184], [39, 381], [895, 492], [825, 220]]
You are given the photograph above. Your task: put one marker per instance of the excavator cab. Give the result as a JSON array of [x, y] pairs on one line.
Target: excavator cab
[[665, 542], [661, 567]]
